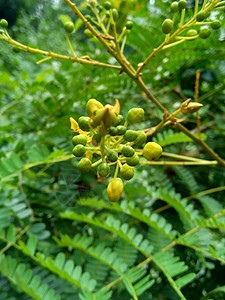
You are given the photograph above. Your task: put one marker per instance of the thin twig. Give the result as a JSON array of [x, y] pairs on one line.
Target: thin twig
[[196, 100]]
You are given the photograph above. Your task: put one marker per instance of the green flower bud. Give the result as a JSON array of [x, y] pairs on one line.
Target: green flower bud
[[115, 14], [103, 169], [16, 49], [174, 7], [115, 189], [207, 14], [79, 139], [3, 23], [107, 115], [121, 129], [84, 123], [93, 2], [141, 139], [84, 165], [88, 17], [130, 135], [112, 156], [201, 16], [92, 106], [182, 4], [127, 172], [100, 8], [190, 108], [113, 131], [69, 27], [152, 151], [119, 120], [107, 5], [204, 33], [133, 160], [216, 24], [135, 115], [88, 33], [96, 139], [192, 33], [129, 25], [167, 26], [79, 150], [128, 151]]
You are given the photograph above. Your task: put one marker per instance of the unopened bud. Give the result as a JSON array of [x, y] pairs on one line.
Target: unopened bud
[[107, 115], [152, 151], [92, 106], [115, 189], [135, 115], [190, 108]]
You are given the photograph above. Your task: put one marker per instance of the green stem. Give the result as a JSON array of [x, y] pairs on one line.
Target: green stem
[[183, 157], [210, 93], [60, 56], [202, 144], [125, 67], [96, 163], [70, 46], [180, 163], [206, 192], [182, 18], [204, 4], [116, 170], [196, 8]]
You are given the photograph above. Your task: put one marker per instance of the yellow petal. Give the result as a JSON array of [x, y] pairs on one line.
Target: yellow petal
[[74, 125], [116, 107]]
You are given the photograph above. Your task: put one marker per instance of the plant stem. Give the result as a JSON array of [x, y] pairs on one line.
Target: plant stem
[[196, 100], [183, 157], [196, 8], [206, 192], [180, 163], [202, 144], [96, 163], [70, 46], [124, 65], [60, 56]]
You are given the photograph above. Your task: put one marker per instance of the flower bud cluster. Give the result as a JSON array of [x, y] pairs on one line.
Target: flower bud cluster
[[201, 18], [106, 140]]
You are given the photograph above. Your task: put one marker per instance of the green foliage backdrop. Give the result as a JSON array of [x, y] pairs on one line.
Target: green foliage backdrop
[[60, 237]]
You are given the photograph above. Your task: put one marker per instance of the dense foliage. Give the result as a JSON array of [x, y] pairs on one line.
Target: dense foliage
[[60, 237]]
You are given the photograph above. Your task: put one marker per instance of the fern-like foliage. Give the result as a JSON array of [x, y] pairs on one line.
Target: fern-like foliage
[[210, 205], [171, 266], [187, 178], [157, 239], [60, 266], [169, 137], [111, 224], [100, 252], [137, 282], [153, 220], [12, 164], [103, 294], [13, 205], [185, 210], [21, 275], [66, 270]]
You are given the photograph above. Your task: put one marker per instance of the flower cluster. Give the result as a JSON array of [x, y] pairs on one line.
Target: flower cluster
[[106, 139]]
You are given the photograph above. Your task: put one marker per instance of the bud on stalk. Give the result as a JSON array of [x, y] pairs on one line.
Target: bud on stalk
[[115, 189]]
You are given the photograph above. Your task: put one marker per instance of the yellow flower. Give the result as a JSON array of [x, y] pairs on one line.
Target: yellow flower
[[75, 127]]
